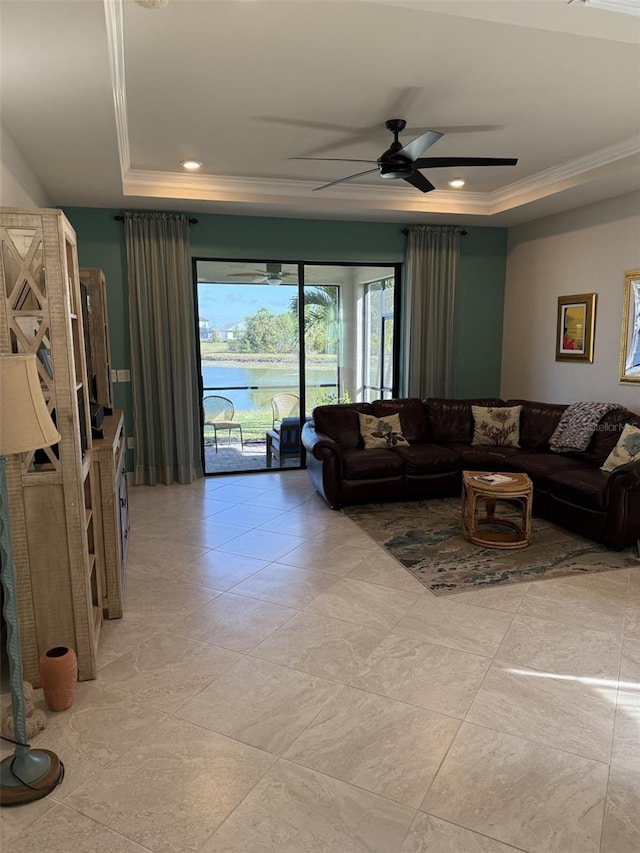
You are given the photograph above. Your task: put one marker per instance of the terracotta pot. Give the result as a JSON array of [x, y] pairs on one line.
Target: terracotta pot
[[59, 676]]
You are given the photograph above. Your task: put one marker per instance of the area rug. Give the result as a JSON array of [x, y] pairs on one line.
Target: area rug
[[425, 537]]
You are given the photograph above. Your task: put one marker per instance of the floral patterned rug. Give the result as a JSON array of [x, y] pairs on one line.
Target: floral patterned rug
[[425, 537]]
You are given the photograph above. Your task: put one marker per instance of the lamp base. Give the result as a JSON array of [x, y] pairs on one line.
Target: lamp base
[[23, 788]]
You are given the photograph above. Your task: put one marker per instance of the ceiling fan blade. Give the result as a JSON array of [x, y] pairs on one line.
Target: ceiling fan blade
[[420, 182], [343, 180], [414, 149], [334, 159], [436, 162]]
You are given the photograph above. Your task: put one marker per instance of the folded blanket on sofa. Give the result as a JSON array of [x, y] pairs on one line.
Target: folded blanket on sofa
[[577, 425]]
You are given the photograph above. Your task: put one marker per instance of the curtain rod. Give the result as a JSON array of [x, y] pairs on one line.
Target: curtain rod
[[120, 218], [462, 233]]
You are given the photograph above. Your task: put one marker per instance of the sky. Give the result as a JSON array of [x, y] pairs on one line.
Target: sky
[[222, 304]]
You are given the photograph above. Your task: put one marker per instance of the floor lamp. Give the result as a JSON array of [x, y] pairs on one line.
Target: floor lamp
[[25, 424]]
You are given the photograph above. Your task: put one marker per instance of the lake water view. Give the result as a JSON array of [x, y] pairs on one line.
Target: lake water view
[[257, 385]]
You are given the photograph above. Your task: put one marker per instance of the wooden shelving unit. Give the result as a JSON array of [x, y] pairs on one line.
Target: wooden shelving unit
[[112, 524], [52, 491]]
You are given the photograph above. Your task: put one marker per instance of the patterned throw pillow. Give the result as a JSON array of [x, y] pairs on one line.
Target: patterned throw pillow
[[626, 450], [381, 432], [497, 426]]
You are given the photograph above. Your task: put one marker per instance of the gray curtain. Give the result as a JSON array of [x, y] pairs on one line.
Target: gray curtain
[[429, 294], [164, 374]]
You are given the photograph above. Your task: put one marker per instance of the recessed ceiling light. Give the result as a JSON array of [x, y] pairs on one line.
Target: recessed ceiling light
[[457, 183], [191, 165]]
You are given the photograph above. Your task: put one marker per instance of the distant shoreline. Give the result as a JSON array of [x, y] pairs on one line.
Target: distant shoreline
[[267, 360]]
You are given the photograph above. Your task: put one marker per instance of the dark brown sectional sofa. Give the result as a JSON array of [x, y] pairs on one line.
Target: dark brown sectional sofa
[[569, 488]]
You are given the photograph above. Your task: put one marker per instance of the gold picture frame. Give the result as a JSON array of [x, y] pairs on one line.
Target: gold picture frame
[[630, 335], [576, 327]]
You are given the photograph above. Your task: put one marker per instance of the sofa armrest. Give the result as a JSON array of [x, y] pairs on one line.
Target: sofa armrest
[[324, 464], [623, 517], [319, 444]]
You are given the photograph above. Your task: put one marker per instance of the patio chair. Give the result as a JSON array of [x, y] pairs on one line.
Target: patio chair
[[284, 406], [284, 442], [218, 414]]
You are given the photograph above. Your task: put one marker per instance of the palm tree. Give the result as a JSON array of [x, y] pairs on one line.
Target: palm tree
[[320, 313]]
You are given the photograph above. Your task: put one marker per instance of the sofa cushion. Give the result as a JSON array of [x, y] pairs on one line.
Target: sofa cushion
[[341, 423], [584, 487], [451, 420], [626, 450], [541, 466], [497, 425], [537, 422], [483, 457], [607, 435], [371, 464], [381, 432], [427, 459], [413, 417]]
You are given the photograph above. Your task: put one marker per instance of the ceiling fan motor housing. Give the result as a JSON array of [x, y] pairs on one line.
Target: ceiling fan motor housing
[[391, 166]]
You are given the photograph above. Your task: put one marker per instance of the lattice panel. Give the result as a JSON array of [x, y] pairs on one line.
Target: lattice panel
[[25, 291]]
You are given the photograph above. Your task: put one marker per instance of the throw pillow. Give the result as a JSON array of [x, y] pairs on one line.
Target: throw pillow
[[496, 425], [381, 432], [626, 450]]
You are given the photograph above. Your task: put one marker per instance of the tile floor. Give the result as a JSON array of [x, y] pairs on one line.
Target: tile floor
[[279, 685]]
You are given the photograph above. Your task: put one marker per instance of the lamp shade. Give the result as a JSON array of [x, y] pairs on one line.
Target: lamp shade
[[25, 422]]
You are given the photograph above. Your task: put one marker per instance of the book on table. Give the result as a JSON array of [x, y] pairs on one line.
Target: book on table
[[494, 479]]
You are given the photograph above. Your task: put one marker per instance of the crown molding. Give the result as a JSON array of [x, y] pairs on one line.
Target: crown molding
[[113, 13]]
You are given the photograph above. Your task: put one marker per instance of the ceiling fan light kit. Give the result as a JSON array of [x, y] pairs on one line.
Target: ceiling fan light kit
[[405, 161]]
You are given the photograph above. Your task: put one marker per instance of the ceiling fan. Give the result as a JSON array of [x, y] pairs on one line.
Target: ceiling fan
[[273, 274], [405, 161]]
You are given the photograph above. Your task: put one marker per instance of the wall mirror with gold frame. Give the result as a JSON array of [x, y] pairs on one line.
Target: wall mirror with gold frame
[[630, 337]]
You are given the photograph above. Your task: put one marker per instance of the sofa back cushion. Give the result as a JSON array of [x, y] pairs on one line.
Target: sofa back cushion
[[607, 435], [452, 420], [413, 417], [537, 422], [341, 422]]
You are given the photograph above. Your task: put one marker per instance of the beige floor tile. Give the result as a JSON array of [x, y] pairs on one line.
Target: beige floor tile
[[429, 834], [630, 663], [260, 703], [119, 636], [217, 571], [96, 729], [234, 622], [234, 493], [173, 789], [333, 558], [161, 552], [15, 821], [258, 516], [166, 670], [621, 832], [293, 809], [566, 712], [561, 649], [632, 620], [320, 646], [626, 731], [365, 603], [597, 601], [384, 746], [434, 677], [386, 571], [261, 544], [285, 585], [293, 523], [206, 532], [535, 798], [151, 600], [459, 626], [277, 499], [63, 830], [506, 598]]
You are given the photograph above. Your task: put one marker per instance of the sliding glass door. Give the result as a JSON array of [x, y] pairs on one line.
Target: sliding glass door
[[278, 339]]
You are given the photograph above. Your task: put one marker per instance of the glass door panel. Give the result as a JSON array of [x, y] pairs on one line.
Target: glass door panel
[[250, 357]]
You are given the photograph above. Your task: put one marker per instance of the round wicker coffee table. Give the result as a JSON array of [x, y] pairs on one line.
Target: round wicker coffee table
[[491, 529]]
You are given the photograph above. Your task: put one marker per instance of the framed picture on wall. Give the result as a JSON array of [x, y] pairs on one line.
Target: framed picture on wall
[[576, 325], [630, 337]]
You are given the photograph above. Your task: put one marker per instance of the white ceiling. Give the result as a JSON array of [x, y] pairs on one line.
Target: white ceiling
[[104, 99]]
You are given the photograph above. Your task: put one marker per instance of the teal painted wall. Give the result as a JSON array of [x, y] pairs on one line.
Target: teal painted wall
[[480, 290], [479, 312]]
